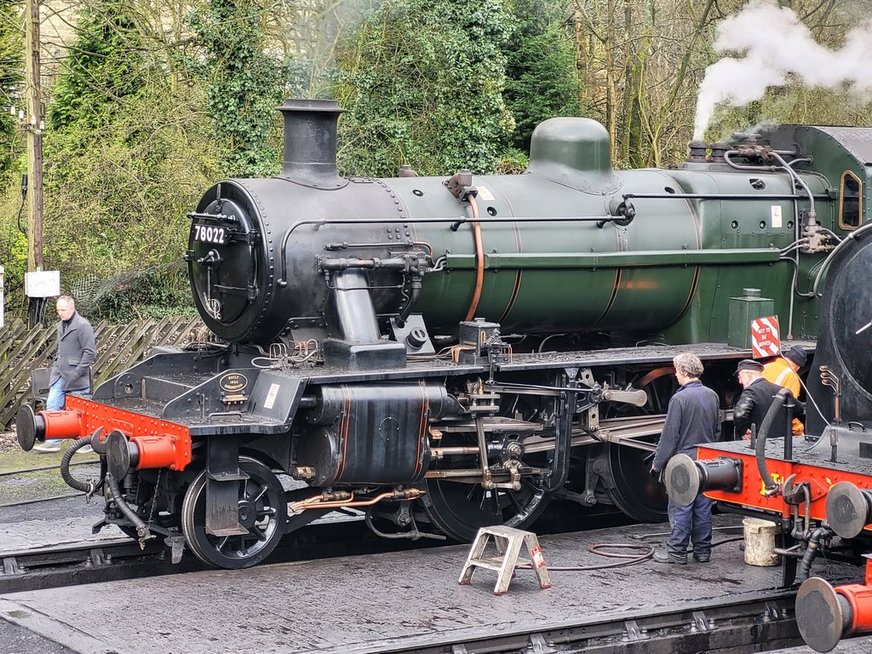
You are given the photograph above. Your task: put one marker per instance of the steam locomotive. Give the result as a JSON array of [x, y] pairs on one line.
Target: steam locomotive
[[447, 353], [817, 490]]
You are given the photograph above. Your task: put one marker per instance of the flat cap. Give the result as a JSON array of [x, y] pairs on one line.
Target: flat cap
[[749, 364], [797, 355]]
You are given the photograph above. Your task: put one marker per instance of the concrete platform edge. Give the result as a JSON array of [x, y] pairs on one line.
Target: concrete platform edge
[[59, 632]]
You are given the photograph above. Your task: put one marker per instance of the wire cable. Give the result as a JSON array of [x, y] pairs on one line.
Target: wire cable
[[21, 206]]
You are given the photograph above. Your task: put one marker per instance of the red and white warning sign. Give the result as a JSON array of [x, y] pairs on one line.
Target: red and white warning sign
[[765, 341]]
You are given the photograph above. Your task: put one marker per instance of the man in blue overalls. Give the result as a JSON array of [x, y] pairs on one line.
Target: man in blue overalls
[[693, 418]]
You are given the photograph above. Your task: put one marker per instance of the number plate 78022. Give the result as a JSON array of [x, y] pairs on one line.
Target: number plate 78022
[[210, 234]]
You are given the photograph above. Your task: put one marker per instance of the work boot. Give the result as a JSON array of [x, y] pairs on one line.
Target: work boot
[[665, 556], [702, 558]]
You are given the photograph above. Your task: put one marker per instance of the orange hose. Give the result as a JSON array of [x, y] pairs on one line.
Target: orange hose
[[479, 260]]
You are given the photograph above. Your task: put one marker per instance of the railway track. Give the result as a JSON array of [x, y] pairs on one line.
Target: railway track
[[651, 611], [338, 534], [758, 622], [71, 564]]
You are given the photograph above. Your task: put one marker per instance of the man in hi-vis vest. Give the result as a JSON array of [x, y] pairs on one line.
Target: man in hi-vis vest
[[782, 370]]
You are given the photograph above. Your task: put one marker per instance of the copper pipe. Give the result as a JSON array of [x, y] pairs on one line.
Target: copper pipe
[[479, 260], [315, 503]]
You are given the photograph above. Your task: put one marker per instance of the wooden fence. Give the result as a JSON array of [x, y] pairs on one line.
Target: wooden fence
[[23, 349]]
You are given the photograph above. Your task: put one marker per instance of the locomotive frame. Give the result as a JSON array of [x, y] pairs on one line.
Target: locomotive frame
[[447, 354]]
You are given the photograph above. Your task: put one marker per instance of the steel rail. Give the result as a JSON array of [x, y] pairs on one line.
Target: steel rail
[[71, 564], [740, 623]]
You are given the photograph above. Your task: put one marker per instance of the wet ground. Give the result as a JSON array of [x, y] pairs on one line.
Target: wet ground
[[28, 516], [862, 645], [33, 484], [369, 603]]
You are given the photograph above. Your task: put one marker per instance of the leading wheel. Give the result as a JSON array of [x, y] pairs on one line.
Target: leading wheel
[[261, 508]]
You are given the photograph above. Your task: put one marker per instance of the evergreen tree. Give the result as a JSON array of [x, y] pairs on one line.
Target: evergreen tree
[[11, 77], [104, 69], [542, 78], [423, 84], [123, 159], [244, 86]]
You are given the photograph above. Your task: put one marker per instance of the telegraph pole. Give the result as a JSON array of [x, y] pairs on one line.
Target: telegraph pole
[[34, 126]]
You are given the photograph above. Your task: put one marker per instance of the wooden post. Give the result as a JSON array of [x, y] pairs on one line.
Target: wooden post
[[34, 127]]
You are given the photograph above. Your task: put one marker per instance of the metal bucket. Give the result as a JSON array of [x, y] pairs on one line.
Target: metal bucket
[[760, 542]]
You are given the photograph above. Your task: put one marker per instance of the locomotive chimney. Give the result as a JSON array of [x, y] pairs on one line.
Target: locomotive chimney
[[697, 151], [310, 143], [719, 149]]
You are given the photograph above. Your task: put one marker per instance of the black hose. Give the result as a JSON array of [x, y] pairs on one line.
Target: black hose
[[774, 408], [413, 299], [803, 571], [85, 487], [115, 495], [643, 553]]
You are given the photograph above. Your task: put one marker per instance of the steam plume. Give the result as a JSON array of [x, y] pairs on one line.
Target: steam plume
[[775, 45]]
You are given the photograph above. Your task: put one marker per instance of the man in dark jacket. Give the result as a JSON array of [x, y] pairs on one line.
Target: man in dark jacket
[[693, 418], [71, 372], [755, 400]]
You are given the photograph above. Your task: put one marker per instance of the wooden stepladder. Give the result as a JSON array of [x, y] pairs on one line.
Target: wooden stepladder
[[508, 543]]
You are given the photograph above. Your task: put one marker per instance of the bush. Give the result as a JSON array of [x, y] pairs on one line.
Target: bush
[[423, 82], [155, 293]]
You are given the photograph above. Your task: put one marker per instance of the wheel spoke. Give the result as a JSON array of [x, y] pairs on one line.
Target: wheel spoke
[[474, 494], [460, 509], [526, 481], [495, 503], [259, 495]]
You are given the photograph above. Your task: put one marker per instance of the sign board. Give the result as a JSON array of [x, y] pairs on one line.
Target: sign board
[[765, 338], [42, 283]]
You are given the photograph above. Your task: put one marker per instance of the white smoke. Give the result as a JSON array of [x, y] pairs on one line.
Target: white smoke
[[776, 44]]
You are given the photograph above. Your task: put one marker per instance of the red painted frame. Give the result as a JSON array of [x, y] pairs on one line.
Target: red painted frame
[[820, 481], [95, 415]]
